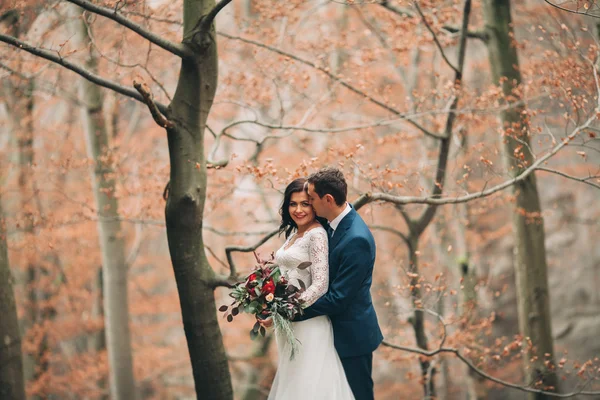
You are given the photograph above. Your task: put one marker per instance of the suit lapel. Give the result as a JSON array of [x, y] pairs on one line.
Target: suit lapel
[[344, 225]]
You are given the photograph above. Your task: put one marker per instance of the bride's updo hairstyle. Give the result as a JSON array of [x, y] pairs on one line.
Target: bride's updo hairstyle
[[287, 223]]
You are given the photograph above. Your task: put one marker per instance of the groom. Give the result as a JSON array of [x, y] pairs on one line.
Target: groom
[[348, 302]]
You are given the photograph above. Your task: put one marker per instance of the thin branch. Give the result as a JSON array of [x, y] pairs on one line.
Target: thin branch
[[483, 374], [582, 180], [371, 197], [110, 13], [390, 230], [159, 118], [334, 78], [228, 281], [207, 20], [403, 12], [435, 38], [571, 11], [90, 76], [440, 176], [481, 35], [44, 88]]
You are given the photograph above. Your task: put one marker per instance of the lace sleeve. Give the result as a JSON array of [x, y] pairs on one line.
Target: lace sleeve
[[318, 252]]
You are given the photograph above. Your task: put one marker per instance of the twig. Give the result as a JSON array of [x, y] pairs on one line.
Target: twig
[[334, 78], [403, 12], [371, 197], [159, 118], [435, 38], [390, 230], [483, 374], [208, 19], [582, 180], [90, 76], [174, 48], [246, 249], [571, 11]]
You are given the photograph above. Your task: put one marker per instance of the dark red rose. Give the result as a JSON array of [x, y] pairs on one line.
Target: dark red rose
[[251, 281], [268, 287]]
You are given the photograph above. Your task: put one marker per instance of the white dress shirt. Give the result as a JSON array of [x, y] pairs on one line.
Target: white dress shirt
[[336, 221]]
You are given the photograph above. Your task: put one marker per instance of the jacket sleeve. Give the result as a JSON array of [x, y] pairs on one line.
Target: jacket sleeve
[[355, 265]]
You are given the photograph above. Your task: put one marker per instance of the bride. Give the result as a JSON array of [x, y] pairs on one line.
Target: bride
[[316, 371]]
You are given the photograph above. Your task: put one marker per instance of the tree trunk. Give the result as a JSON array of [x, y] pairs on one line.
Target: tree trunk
[[114, 266], [418, 318], [528, 225], [12, 383], [185, 207]]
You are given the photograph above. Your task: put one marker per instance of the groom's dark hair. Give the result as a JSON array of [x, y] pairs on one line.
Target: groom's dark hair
[[330, 181]]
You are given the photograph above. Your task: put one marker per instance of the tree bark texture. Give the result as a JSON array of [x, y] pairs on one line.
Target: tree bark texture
[[185, 206], [12, 382], [528, 224]]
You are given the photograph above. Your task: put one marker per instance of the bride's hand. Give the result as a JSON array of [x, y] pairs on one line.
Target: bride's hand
[[266, 323]]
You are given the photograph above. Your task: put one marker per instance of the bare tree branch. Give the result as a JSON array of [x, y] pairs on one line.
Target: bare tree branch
[[371, 197], [207, 20], [90, 76], [228, 281], [390, 230], [403, 12], [336, 79], [159, 118], [586, 13], [435, 38], [423, 221], [110, 13], [481, 35], [582, 180], [483, 374]]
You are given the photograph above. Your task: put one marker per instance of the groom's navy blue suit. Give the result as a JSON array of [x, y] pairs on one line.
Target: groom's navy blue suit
[[348, 302]]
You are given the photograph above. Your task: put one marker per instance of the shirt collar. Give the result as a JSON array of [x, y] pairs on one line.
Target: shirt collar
[[336, 221]]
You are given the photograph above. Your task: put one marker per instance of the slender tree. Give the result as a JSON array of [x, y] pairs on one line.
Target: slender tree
[[185, 122], [113, 286], [527, 221], [12, 383]]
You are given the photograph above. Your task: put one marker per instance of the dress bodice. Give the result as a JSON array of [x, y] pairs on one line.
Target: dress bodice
[[312, 247]]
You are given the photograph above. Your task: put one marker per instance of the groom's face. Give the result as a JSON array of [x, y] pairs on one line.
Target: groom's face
[[318, 203]]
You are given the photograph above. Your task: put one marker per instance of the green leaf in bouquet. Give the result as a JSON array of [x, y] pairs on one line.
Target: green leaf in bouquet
[[229, 318], [253, 334], [257, 291], [223, 308], [276, 275], [263, 331], [252, 307], [304, 265], [256, 327], [235, 311]]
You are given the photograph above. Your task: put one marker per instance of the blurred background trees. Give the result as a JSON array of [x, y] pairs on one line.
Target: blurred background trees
[[467, 131]]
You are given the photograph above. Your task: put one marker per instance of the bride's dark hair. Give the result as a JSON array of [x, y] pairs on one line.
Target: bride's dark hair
[[287, 223]]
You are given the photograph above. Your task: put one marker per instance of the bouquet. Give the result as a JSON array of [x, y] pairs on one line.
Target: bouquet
[[266, 293]]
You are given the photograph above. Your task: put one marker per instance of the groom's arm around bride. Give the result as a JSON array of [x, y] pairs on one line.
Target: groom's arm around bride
[[348, 301]]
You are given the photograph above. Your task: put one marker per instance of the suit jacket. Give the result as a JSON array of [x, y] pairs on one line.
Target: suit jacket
[[348, 301]]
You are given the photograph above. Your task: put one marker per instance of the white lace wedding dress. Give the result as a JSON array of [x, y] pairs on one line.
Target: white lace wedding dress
[[316, 372]]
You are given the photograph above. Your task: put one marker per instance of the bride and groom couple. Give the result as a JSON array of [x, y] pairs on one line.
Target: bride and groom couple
[[338, 331]]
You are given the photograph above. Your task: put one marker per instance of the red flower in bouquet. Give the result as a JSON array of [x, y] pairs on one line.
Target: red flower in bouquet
[[251, 281], [268, 287], [266, 293]]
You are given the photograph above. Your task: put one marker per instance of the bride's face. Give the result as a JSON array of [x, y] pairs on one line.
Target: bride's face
[[301, 210]]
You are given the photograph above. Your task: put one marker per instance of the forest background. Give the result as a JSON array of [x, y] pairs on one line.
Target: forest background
[[135, 182]]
